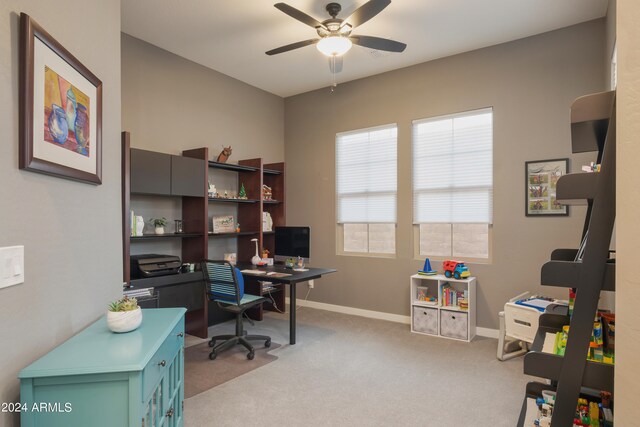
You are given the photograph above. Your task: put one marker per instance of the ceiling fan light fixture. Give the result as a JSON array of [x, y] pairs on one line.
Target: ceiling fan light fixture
[[334, 45]]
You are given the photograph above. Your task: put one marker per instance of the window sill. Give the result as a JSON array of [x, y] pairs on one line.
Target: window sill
[[480, 261], [366, 255]]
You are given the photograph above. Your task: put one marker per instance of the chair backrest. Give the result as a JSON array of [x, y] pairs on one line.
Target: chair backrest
[[224, 281]]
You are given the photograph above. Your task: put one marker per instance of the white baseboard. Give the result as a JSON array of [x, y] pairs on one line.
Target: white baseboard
[[487, 332], [398, 318]]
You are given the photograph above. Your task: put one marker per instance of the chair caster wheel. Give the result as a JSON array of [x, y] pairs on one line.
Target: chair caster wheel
[[267, 343], [213, 355], [212, 343], [251, 355]]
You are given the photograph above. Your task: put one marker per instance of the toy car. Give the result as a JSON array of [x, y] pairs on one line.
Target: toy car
[[457, 269]]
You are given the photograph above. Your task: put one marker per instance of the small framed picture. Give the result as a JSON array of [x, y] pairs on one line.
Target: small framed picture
[[60, 109], [223, 224], [540, 186]]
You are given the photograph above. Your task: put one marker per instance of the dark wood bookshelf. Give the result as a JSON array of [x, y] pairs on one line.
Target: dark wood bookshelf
[[234, 234], [185, 289], [225, 200], [164, 236], [271, 171], [232, 167]]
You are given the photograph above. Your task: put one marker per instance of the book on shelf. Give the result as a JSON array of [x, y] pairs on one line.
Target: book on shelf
[[452, 297]]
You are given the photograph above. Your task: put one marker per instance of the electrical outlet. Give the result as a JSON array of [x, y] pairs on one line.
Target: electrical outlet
[[311, 284]]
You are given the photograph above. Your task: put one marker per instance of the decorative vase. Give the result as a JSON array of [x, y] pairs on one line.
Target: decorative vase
[[159, 230], [71, 108], [58, 126], [82, 129], [256, 258], [124, 321], [139, 225]]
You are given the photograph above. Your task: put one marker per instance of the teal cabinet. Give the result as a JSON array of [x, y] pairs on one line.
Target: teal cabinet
[[99, 378]]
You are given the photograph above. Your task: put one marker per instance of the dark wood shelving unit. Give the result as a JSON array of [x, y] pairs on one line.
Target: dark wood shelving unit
[[268, 171], [164, 236], [234, 234], [223, 200], [589, 270], [188, 182], [232, 167]]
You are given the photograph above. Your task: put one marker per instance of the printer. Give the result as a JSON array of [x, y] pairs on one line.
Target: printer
[[154, 265]]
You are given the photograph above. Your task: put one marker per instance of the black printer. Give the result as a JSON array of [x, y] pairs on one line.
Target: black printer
[[154, 265]]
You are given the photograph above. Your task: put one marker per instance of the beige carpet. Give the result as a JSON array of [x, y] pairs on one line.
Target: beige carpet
[[201, 373], [352, 371]]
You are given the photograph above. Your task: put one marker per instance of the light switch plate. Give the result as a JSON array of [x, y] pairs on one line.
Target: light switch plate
[[11, 266]]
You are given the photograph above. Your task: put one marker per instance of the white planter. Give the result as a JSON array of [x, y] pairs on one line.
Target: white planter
[[124, 321], [159, 230]]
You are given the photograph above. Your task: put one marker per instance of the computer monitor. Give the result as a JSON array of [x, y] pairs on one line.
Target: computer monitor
[[292, 242]]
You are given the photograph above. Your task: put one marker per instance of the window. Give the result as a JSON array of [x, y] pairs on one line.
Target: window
[[453, 184], [366, 185]]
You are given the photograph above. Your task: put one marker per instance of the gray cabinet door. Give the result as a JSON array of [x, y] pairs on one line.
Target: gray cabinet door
[[150, 172], [187, 176]]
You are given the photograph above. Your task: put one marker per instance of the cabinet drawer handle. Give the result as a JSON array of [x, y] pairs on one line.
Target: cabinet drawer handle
[[162, 363], [180, 334], [170, 413]]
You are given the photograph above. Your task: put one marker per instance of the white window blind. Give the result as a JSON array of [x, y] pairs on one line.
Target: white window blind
[[453, 168], [366, 175]]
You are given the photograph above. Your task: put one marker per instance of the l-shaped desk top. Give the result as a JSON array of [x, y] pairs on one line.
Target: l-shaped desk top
[[294, 276]]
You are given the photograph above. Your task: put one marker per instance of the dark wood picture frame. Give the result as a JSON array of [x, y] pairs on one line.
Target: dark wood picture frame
[[540, 186], [29, 31]]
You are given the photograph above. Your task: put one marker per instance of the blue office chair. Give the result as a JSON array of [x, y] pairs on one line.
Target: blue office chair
[[225, 286]]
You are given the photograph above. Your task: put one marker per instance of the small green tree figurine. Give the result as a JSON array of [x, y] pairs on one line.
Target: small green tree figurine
[[242, 194]]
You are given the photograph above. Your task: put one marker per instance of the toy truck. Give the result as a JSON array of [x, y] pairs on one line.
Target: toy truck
[[456, 269]]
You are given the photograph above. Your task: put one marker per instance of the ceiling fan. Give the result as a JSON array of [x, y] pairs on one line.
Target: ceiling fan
[[335, 37]]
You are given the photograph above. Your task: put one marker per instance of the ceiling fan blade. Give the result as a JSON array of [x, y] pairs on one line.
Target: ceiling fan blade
[[366, 12], [300, 16], [378, 43], [292, 46], [335, 64]]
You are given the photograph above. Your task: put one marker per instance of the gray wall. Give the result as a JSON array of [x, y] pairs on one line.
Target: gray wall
[[170, 104], [71, 231], [530, 83]]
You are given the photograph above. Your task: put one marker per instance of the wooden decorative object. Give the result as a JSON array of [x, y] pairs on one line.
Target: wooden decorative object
[[224, 154]]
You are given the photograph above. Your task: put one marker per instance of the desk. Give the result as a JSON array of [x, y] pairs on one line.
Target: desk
[[292, 280]]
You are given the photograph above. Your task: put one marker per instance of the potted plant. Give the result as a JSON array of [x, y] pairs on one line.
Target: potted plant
[[124, 315], [159, 224]]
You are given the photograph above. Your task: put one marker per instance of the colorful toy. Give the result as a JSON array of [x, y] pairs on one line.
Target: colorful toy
[[427, 270], [457, 269]]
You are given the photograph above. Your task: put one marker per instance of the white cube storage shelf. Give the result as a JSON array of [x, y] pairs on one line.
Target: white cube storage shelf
[[432, 318]]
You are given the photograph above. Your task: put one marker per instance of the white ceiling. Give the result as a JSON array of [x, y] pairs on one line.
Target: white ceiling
[[231, 36]]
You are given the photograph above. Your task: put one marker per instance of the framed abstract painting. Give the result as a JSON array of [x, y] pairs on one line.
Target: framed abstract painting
[[541, 180], [60, 109]]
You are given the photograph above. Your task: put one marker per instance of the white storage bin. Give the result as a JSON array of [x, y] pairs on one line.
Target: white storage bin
[[425, 320], [454, 324]]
